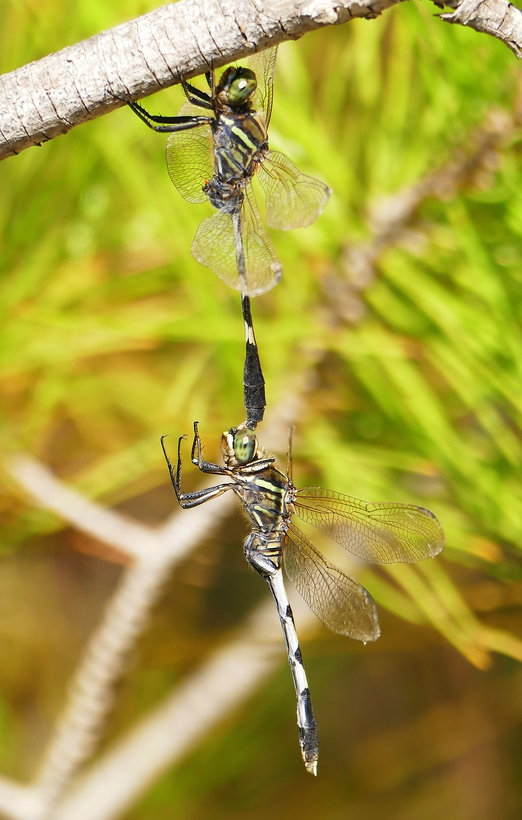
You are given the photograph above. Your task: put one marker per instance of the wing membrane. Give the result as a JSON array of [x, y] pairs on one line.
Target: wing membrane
[[214, 246], [293, 199], [341, 603], [262, 64], [263, 266], [189, 158], [382, 533], [188, 109]]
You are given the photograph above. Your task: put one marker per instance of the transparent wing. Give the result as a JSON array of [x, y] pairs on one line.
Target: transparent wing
[[262, 265], [293, 199], [382, 533], [188, 109], [263, 65], [340, 602], [189, 160], [214, 246]]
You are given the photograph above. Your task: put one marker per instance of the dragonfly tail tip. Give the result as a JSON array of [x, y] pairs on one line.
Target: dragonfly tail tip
[[311, 766]]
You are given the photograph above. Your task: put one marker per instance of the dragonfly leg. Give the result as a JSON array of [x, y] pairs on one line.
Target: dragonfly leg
[[196, 457], [195, 96], [211, 82], [308, 737], [187, 500], [167, 124]]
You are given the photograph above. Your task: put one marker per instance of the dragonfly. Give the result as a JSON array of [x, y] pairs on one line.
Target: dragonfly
[[214, 156], [377, 532]]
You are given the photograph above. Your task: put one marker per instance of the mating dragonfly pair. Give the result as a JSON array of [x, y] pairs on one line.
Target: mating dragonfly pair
[[215, 156]]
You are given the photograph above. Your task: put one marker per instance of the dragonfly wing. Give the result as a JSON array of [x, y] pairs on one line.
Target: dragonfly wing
[[293, 199], [214, 247], [341, 603], [188, 109], [382, 533], [262, 265], [190, 160], [262, 64]]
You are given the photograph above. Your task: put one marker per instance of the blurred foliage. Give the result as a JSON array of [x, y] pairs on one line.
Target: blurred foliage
[[112, 334]]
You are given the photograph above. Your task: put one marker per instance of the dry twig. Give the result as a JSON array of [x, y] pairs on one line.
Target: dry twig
[[50, 96]]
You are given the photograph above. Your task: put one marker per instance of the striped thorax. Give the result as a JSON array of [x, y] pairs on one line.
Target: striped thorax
[[266, 493], [240, 139]]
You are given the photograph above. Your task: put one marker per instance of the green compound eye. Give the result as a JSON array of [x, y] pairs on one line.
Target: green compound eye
[[245, 446], [240, 84]]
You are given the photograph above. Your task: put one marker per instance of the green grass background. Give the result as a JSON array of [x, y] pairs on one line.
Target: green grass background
[[111, 334]]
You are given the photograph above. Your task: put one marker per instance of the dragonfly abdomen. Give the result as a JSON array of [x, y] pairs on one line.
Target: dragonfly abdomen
[[264, 552]]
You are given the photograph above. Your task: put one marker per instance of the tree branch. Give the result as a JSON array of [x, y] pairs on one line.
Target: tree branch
[[178, 724], [496, 17], [48, 97]]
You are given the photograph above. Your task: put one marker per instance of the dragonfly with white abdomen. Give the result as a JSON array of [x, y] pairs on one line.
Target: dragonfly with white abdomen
[[379, 532]]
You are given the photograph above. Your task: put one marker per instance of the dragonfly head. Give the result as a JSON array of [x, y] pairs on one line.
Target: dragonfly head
[[236, 86], [239, 446]]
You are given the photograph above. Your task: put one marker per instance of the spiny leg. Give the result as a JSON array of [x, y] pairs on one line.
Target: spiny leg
[[167, 124], [211, 80], [187, 500], [196, 457], [195, 96]]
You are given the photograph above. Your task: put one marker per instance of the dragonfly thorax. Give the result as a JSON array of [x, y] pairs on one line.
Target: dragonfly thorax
[[239, 146], [267, 499], [266, 493]]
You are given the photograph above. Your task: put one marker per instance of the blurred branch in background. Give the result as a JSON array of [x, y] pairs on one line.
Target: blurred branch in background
[[502, 20], [172, 729], [50, 96], [395, 220]]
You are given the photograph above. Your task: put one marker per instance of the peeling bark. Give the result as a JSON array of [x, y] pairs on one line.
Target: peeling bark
[[496, 17], [48, 97]]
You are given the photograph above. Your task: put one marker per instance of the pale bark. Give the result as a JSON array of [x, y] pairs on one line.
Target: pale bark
[[46, 98], [496, 17]]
